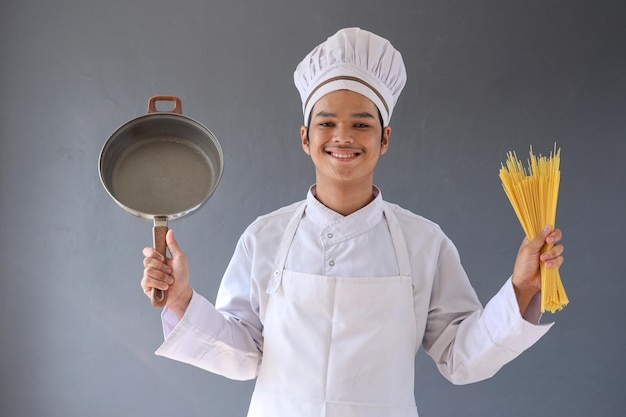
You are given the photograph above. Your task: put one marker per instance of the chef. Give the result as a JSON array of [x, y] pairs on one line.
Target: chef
[[327, 301]]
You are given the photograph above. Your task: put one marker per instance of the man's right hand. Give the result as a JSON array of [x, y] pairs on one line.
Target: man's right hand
[[169, 274]]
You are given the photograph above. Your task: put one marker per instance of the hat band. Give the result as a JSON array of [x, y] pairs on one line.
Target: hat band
[[345, 77]]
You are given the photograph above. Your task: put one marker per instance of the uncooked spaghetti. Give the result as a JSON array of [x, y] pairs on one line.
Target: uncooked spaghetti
[[533, 193]]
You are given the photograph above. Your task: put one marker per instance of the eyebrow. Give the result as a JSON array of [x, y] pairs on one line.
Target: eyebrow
[[360, 115]]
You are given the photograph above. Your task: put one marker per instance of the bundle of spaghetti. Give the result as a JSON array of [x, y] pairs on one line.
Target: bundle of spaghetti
[[533, 193]]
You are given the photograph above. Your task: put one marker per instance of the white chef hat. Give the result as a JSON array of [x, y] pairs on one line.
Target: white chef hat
[[356, 60]]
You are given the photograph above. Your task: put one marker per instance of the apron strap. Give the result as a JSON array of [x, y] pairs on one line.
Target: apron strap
[[283, 249], [399, 243]]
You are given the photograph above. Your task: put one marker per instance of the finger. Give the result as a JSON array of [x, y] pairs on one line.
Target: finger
[[554, 262], [153, 253], [537, 243], [554, 256], [555, 236], [149, 282], [157, 270], [157, 265], [172, 244], [152, 276]]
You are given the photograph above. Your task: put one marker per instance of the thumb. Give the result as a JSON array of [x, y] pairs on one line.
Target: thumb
[[172, 244], [540, 240]]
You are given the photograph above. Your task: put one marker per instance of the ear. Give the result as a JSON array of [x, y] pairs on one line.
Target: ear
[[305, 140], [384, 143]]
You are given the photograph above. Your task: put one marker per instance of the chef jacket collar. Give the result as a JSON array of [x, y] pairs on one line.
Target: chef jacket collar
[[347, 226]]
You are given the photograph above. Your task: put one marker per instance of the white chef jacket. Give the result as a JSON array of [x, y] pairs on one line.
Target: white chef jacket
[[467, 342]]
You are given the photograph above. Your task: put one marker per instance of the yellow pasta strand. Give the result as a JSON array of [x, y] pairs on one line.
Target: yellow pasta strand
[[533, 193]]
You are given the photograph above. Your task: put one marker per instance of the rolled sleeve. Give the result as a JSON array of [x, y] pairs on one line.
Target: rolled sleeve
[[210, 340], [507, 327]]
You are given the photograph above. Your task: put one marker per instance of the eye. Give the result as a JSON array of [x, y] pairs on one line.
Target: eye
[[361, 125], [326, 124]]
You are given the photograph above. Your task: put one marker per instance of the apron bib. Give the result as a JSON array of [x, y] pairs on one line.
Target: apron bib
[[337, 346]]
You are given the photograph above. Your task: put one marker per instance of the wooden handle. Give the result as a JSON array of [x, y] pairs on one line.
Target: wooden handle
[[178, 106], [159, 297]]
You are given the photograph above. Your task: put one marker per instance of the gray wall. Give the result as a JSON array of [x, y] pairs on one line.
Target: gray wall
[[485, 77]]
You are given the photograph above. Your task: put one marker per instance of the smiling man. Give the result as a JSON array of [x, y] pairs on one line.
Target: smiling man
[[345, 139], [327, 301]]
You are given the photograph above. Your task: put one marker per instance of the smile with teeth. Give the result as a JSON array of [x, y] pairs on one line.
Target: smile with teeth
[[345, 154]]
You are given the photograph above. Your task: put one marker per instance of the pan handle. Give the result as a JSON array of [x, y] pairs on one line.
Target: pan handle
[[178, 106], [158, 298]]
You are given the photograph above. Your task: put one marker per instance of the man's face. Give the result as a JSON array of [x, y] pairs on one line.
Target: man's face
[[345, 138]]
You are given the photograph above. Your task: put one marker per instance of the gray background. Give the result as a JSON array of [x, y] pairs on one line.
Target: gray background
[[485, 77]]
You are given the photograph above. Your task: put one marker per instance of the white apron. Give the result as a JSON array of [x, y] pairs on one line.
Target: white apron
[[337, 346]]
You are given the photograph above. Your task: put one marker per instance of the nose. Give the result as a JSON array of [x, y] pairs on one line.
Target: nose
[[343, 134]]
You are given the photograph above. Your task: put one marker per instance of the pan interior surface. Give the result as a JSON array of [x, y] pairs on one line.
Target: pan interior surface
[[163, 176]]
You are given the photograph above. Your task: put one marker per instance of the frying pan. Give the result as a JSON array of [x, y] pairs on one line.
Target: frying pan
[[161, 166]]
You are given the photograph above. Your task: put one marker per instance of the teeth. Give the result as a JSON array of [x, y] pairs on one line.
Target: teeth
[[343, 155]]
